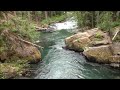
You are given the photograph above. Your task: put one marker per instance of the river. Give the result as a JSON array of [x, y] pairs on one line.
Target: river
[[58, 63]]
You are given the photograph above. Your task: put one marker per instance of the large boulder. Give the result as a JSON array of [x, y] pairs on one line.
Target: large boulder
[[3, 56], [116, 48], [81, 43], [69, 41], [93, 37], [19, 48], [96, 45], [27, 51], [103, 54], [100, 54]]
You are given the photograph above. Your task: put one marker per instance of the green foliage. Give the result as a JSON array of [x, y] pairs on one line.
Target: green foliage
[[98, 36], [53, 19], [22, 23], [80, 19], [21, 27], [12, 69], [3, 44], [105, 21], [116, 23], [84, 18]]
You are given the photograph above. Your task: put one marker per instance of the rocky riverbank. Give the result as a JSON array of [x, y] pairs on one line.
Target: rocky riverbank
[[16, 58], [96, 45]]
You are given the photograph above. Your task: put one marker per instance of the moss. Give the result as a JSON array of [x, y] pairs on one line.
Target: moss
[[81, 49], [78, 40], [98, 36]]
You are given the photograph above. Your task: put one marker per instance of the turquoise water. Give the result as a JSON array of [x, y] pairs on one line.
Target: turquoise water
[[58, 63]]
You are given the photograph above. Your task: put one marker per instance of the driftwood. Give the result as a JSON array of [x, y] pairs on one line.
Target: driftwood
[[30, 43], [115, 35], [45, 29], [40, 28]]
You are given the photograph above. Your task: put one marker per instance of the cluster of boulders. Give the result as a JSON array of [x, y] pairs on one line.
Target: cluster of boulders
[[96, 45]]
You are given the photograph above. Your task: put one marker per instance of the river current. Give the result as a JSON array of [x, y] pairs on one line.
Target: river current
[[59, 63]]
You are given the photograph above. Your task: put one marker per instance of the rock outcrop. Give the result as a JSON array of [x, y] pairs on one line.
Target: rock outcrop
[[77, 41], [96, 45], [93, 37], [99, 54], [19, 48]]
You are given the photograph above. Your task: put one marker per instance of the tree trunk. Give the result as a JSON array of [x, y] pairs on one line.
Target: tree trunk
[[46, 15], [92, 19], [114, 17], [29, 15], [97, 17]]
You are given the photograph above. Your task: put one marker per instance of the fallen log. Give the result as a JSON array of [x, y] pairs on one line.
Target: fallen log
[[11, 36], [30, 43], [41, 29]]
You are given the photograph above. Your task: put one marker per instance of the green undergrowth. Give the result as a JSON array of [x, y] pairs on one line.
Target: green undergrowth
[[11, 69], [22, 27], [25, 29]]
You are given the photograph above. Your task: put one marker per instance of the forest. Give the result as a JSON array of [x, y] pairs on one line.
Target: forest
[[59, 44]]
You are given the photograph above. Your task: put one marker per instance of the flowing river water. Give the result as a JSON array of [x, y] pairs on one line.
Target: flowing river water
[[58, 63]]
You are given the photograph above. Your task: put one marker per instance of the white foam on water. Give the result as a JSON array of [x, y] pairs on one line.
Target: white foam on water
[[70, 24]]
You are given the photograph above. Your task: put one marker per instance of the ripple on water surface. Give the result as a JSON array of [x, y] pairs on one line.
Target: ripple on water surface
[[59, 63]]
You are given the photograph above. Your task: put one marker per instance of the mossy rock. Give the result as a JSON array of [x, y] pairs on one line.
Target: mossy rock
[[99, 36], [13, 69]]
